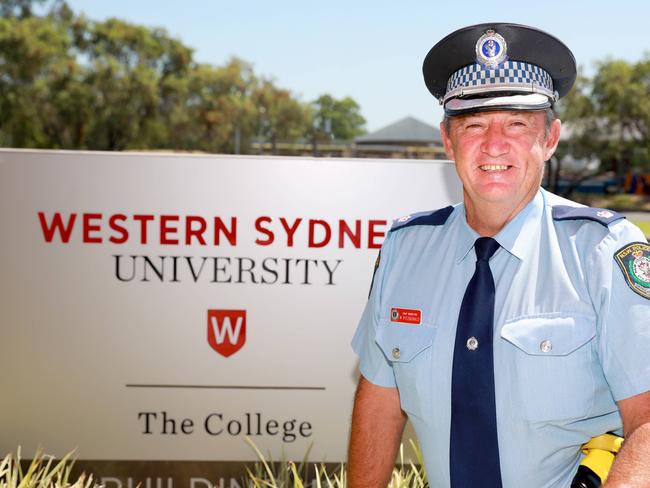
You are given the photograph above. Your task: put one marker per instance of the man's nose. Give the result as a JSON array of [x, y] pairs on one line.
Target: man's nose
[[495, 142]]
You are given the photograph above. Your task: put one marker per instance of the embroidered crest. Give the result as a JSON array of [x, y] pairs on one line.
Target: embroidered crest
[[634, 261], [491, 49]]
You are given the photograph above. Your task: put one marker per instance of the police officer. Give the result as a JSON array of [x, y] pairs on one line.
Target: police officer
[[515, 326]]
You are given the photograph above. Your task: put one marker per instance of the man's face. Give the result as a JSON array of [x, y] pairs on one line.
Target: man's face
[[500, 155]]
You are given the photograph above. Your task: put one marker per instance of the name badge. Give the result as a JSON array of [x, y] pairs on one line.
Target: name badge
[[406, 316]]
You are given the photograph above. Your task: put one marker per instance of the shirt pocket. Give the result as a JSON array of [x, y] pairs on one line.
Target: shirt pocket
[[551, 365], [408, 349]]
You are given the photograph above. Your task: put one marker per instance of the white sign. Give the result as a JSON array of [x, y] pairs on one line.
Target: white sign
[[162, 307]]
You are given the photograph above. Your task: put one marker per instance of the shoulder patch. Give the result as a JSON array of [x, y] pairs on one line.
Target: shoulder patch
[[437, 217], [634, 261], [600, 215]]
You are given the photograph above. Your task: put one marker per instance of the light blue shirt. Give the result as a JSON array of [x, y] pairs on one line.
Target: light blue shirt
[[570, 336]]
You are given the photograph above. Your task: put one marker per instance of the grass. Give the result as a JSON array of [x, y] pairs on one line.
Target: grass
[[266, 474], [43, 472]]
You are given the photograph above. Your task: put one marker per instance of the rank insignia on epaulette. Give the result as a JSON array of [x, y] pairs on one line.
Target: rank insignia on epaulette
[[634, 261], [600, 215]]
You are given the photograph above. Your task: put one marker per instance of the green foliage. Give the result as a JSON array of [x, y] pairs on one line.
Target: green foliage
[[72, 83], [609, 114], [339, 118], [280, 117], [34, 57], [18, 8]]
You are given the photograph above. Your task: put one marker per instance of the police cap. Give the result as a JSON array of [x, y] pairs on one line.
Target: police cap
[[498, 66]]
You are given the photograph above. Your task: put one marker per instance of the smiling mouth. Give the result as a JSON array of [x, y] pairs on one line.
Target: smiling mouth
[[494, 167]]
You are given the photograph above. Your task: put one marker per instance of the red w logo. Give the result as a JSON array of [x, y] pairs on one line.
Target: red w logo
[[226, 330]]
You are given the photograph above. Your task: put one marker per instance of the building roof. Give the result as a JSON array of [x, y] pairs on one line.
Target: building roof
[[408, 130]]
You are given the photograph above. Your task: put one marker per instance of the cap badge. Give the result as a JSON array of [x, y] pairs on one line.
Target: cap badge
[[491, 49]]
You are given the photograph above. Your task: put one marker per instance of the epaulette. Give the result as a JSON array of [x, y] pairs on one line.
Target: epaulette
[[437, 217], [600, 215]]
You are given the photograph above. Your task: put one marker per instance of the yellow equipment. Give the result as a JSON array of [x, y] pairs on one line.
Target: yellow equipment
[[599, 455]]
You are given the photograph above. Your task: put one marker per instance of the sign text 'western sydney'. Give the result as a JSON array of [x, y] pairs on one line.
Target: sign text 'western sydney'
[[195, 230]]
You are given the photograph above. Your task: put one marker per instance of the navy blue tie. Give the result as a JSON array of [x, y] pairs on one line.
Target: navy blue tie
[[474, 446]]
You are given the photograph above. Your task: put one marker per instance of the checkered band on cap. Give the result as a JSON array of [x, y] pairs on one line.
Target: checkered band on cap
[[508, 76]]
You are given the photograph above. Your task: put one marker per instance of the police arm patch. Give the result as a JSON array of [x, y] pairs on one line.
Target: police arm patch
[[634, 261]]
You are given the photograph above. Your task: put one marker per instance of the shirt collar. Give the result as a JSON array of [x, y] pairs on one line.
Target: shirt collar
[[516, 237], [466, 235]]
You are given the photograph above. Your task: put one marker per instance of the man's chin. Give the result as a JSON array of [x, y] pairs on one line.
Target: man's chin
[[506, 200], [495, 193]]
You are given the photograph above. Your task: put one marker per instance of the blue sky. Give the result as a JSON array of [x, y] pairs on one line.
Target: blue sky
[[372, 50]]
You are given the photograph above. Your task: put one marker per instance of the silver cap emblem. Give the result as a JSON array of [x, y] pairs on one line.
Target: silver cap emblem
[[491, 49]]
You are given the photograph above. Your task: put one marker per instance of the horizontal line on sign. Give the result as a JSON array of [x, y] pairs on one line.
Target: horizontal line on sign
[[229, 387]]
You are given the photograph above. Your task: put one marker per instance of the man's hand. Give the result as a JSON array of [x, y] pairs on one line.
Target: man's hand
[[632, 466], [377, 426]]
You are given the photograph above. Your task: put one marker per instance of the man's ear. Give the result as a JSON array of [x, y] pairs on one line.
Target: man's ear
[[552, 139], [446, 141]]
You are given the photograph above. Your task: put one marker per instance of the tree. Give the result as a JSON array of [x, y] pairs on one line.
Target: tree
[[18, 8], [609, 116], [34, 54], [132, 74], [341, 119], [219, 106], [48, 98], [280, 116], [70, 82]]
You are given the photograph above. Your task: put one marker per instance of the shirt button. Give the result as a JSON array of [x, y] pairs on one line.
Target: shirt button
[[472, 343], [546, 346], [396, 353]]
